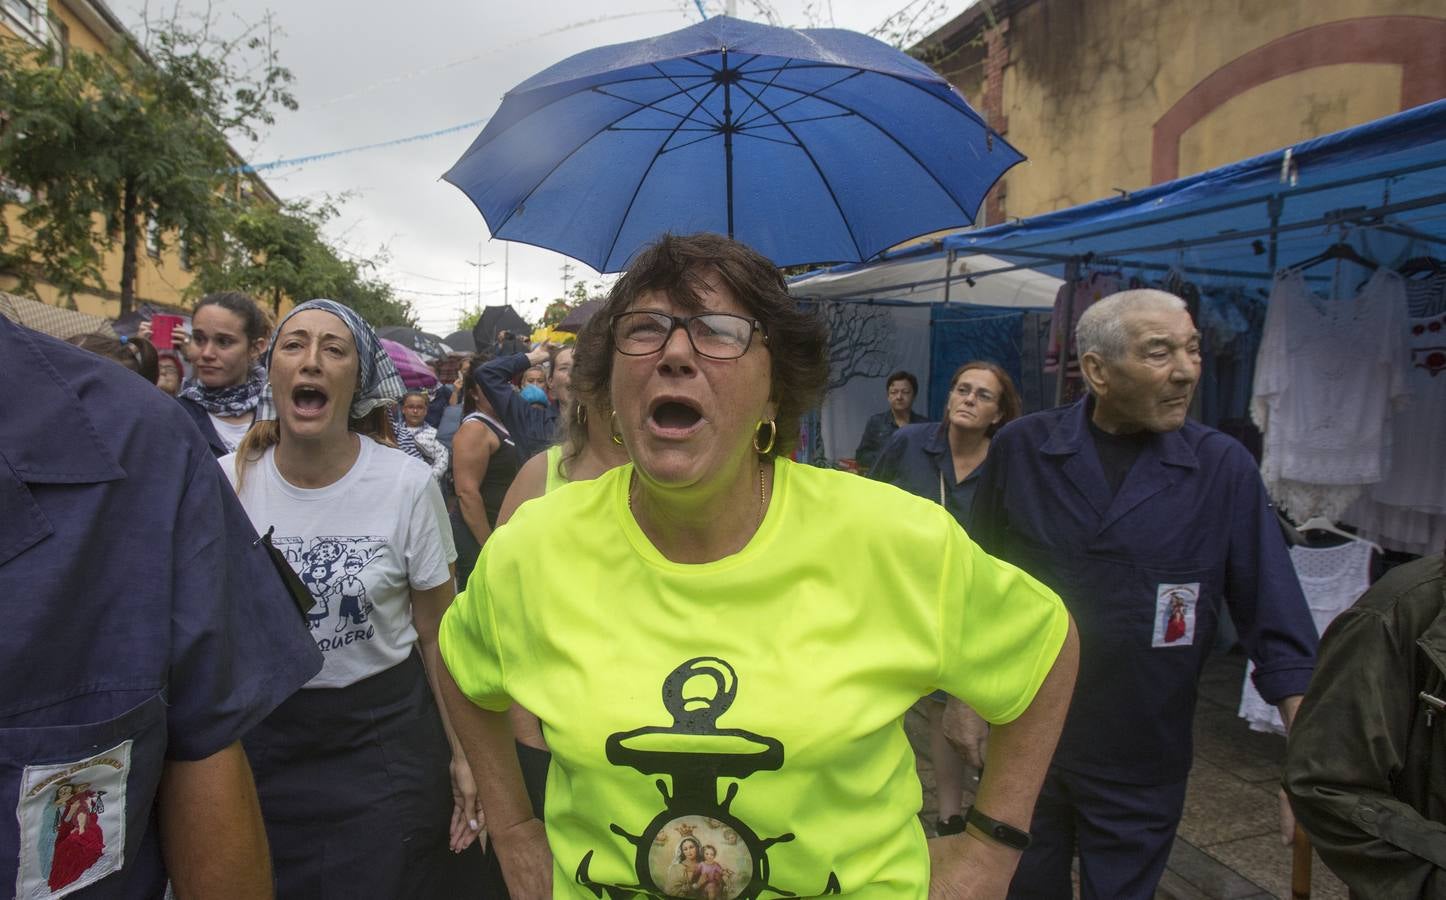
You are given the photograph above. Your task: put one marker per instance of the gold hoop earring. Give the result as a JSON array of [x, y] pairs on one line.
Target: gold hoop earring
[[772, 436], [613, 427], [581, 415]]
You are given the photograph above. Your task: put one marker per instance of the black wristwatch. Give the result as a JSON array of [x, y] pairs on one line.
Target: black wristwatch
[[998, 831]]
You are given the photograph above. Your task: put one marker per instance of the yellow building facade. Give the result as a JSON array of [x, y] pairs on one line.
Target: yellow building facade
[[1108, 96], [162, 278]]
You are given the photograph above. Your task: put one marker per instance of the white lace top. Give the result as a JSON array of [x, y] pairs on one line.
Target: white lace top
[[1332, 578], [1328, 376]]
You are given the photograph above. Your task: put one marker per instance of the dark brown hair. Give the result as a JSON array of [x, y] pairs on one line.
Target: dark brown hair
[[681, 266], [255, 321], [901, 375], [1009, 402], [137, 354]]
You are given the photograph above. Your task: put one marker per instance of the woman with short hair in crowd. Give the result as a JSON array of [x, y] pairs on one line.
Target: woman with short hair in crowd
[[722, 644], [941, 461], [353, 770]]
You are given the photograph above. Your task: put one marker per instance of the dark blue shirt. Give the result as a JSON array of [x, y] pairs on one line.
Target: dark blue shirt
[[198, 414], [918, 459], [534, 428], [143, 623], [1144, 572], [877, 431]]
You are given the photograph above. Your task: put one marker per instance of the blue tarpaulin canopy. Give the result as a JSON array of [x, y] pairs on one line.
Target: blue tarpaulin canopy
[[1387, 174], [1383, 183]]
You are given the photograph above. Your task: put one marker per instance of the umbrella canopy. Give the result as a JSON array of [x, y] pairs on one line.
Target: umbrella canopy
[[427, 345], [495, 319], [414, 370], [574, 320], [820, 145], [461, 342], [52, 320]]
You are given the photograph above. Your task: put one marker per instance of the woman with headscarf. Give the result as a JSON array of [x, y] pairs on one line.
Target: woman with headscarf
[[227, 337], [717, 638], [352, 770]]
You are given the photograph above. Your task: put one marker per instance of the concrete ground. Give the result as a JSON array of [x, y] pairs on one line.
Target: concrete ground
[[1228, 845]]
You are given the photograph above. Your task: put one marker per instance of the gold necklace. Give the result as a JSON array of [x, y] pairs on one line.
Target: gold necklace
[[762, 493]]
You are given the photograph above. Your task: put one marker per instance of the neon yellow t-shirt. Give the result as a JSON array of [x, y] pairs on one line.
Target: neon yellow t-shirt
[[555, 478], [740, 721]]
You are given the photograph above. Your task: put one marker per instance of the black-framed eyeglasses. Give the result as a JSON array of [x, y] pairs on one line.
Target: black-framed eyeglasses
[[714, 335]]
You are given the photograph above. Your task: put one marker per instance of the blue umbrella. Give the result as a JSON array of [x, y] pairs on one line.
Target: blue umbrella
[[820, 145]]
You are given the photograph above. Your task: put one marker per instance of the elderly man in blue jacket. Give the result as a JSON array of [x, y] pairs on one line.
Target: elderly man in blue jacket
[[1144, 523]]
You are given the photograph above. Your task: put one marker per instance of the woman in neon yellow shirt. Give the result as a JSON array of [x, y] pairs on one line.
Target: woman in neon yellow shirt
[[721, 644]]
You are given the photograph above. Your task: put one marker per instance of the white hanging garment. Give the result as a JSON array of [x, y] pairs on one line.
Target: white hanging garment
[[1327, 379], [1332, 578]]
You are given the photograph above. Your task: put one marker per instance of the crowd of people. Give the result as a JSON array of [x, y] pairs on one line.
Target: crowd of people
[[325, 633]]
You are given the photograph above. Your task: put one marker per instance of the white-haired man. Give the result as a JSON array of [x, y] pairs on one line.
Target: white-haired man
[[1143, 522]]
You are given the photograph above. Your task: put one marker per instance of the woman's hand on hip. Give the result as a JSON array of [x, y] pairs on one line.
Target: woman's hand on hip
[[963, 867], [466, 814], [526, 860]]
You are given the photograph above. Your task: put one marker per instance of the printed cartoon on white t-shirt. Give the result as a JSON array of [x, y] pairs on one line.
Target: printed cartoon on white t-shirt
[[331, 568]]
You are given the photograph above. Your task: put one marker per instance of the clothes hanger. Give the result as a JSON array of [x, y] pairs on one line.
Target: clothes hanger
[[1338, 250], [1321, 523], [1419, 264]]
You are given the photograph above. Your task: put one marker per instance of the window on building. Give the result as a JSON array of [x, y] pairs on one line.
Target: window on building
[[153, 238], [27, 18], [183, 251]]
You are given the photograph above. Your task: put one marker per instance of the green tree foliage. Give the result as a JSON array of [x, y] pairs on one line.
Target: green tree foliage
[[98, 148], [273, 252]]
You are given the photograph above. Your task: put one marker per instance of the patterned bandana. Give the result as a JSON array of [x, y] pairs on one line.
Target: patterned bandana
[[377, 382], [234, 400]]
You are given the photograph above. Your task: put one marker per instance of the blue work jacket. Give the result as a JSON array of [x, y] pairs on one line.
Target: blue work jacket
[[143, 623], [198, 414], [917, 458], [877, 431], [534, 428], [1144, 573]]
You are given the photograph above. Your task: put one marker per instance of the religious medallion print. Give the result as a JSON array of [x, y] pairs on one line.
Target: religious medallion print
[[72, 823], [695, 848], [1175, 615]]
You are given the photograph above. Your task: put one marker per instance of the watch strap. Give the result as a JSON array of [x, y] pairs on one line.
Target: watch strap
[[996, 830]]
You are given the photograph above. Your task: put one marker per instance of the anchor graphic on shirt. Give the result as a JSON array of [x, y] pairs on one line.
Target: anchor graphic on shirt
[[718, 857]]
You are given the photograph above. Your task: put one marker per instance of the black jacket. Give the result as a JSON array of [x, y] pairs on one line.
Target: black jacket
[[1366, 762]]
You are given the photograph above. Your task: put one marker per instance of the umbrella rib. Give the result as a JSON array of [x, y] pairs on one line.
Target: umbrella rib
[[841, 115], [690, 94], [706, 137], [637, 189], [581, 144], [752, 101], [808, 95], [822, 177], [642, 106], [863, 118]]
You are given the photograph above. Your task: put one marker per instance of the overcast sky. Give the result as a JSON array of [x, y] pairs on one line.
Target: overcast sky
[[369, 71]]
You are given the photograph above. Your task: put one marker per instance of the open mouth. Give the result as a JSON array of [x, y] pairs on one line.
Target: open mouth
[[675, 417], [307, 399]]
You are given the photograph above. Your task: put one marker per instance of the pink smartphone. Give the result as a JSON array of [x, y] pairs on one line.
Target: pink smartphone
[[161, 328]]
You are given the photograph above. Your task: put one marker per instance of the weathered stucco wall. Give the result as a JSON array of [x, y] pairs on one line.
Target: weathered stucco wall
[[1106, 94]]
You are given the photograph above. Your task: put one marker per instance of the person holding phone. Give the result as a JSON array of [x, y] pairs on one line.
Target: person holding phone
[[228, 335]]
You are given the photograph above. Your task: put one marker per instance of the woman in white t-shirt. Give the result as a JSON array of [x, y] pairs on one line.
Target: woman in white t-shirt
[[352, 770], [227, 337]]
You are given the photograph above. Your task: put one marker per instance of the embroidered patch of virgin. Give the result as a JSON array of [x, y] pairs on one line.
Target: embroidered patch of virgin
[[72, 823], [1175, 615]]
